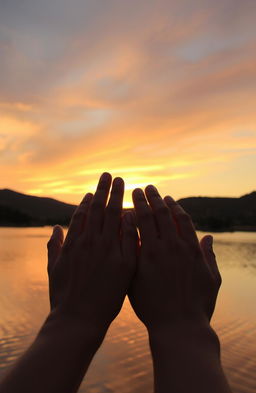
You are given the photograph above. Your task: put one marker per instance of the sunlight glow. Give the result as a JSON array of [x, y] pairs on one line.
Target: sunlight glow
[[168, 102]]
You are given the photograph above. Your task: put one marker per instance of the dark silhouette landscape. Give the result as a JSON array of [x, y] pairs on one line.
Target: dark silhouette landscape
[[208, 213]]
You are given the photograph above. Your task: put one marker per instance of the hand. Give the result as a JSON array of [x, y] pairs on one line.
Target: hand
[[90, 272], [177, 277]]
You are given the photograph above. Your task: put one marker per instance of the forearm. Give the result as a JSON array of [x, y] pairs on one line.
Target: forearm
[[187, 359], [56, 361]]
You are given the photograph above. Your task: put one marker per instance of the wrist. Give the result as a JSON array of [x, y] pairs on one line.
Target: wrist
[[186, 357], [181, 335], [75, 330]]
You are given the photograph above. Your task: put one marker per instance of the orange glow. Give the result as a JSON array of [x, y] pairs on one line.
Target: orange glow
[[163, 102]]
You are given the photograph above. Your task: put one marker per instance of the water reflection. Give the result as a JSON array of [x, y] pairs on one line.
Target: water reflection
[[123, 362]]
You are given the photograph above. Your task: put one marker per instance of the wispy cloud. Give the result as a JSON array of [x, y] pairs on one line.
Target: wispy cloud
[[163, 92]]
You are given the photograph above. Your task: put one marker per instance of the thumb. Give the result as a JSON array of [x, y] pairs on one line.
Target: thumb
[[54, 246], [206, 244]]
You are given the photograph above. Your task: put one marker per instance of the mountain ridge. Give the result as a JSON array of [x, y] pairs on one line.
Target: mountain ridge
[[208, 213]]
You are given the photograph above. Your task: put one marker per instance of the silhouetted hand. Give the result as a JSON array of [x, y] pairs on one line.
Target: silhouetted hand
[[89, 274], [177, 278], [174, 294]]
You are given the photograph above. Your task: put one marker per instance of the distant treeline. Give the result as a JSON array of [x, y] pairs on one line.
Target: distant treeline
[[10, 217], [208, 214], [18, 209], [222, 214]]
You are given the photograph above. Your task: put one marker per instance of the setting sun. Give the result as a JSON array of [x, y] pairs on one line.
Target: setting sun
[[168, 102]]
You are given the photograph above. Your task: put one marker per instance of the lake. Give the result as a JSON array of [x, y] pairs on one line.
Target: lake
[[123, 363]]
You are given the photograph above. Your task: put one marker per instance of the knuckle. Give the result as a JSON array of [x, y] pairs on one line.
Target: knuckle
[[113, 210], [181, 213], [78, 215], [145, 215], [162, 210], [96, 205]]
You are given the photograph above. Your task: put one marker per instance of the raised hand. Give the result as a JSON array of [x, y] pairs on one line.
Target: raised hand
[[89, 274], [174, 293], [177, 277]]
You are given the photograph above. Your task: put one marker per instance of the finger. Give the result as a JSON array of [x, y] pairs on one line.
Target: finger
[[97, 208], [164, 219], [210, 258], [114, 209], [54, 246], [129, 240], [146, 223], [183, 221], [79, 218]]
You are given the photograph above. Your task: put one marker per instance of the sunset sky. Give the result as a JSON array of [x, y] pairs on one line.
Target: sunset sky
[[160, 92]]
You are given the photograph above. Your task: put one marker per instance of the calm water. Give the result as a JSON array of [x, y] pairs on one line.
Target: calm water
[[123, 363]]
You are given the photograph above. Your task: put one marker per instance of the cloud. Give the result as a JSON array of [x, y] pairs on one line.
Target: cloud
[[89, 86]]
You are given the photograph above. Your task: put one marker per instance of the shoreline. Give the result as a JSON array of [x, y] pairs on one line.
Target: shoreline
[[249, 228]]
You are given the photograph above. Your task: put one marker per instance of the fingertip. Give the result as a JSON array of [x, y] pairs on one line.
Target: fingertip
[[169, 200], [105, 176], [207, 242], [104, 181], [87, 197], [151, 189], [58, 233], [57, 229], [138, 194], [118, 180], [118, 183]]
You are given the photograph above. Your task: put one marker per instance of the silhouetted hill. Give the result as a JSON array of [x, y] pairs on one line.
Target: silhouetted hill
[[208, 214], [222, 214], [26, 210]]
